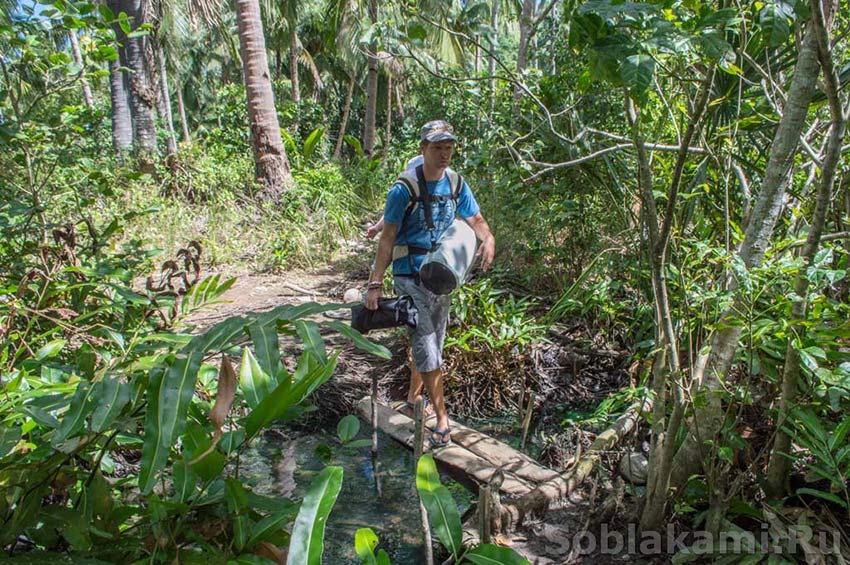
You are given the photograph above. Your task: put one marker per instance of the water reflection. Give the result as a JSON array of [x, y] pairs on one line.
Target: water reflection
[[286, 467]]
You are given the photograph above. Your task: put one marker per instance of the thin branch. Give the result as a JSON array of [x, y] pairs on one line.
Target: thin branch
[[554, 166]]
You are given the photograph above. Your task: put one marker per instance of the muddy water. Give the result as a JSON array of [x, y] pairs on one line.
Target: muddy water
[[286, 467]]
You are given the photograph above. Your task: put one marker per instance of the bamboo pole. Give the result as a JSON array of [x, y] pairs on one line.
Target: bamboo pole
[[376, 465], [484, 505], [526, 423], [418, 441]]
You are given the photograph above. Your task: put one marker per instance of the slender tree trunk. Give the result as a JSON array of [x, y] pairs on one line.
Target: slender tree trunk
[[78, 59], [780, 466], [271, 164], [344, 122], [666, 370], [526, 21], [181, 110], [710, 369], [371, 88], [166, 99], [491, 63], [293, 74], [119, 85], [387, 130]]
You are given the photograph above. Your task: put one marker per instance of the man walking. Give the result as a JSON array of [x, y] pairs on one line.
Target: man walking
[[406, 237]]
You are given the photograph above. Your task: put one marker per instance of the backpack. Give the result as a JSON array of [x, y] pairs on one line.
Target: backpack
[[414, 182]]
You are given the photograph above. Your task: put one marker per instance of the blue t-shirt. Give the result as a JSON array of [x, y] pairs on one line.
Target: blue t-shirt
[[413, 231]]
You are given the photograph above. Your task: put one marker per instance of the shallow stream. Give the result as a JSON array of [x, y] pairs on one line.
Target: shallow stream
[[285, 467]]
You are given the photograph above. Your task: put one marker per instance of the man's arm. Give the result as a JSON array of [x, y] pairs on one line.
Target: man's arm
[[488, 242], [383, 258]]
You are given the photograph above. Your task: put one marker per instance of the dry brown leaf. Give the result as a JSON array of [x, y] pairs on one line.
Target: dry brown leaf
[[223, 401], [271, 551]]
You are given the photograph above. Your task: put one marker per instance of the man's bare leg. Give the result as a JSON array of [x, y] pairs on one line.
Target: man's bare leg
[[434, 385]]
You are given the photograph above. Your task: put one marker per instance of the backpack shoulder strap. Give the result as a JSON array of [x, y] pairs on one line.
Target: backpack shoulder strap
[[456, 182], [408, 180]]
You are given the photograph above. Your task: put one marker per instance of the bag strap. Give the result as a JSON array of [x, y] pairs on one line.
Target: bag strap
[[456, 182], [425, 196]]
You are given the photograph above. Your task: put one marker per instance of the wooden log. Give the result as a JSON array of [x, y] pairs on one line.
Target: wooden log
[[537, 501]]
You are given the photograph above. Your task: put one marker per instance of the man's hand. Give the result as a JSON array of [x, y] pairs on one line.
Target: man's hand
[[486, 252], [488, 242], [372, 296]]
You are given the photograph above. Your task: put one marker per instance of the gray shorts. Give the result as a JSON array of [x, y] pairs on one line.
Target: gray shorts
[[427, 339]]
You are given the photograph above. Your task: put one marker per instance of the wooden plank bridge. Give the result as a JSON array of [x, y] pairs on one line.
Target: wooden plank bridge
[[471, 455]]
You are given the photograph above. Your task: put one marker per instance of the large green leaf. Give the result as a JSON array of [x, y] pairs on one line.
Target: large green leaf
[[437, 500], [110, 395], [360, 342], [775, 22], [489, 554], [266, 345], [183, 479], [637, 72], [365, 542], [52, 349], [253, 380], [347, 428], [196, 441], [286, 395], [270, 525], [308, 331], [169, 395], [9, 438], [308, 534], [75, 417], [217, 337], [312, 139]]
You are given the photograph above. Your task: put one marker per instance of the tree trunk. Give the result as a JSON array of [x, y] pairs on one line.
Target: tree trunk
[[780, 466], [293, 74], [387, 130], [371, 88], [666, 371], [142, 95], [271, 164], [166, 99], [119, 86], [181, 109], [78, 59], [526, 21], [710, 369], [344, 121], [491, 64]]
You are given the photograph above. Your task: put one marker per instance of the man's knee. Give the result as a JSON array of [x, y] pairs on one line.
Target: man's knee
[[432, 375]]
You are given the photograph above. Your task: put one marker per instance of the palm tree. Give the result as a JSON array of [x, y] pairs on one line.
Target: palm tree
[[119, 83], [371, 87], [142, 95], [271, 163]]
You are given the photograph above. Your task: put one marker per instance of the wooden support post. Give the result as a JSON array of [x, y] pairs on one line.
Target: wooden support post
[[529, 410], [484, 505], [520, 403], [418, 444], [375, 463]]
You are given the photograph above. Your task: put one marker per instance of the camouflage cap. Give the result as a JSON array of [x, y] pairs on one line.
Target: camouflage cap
[[437, 130]]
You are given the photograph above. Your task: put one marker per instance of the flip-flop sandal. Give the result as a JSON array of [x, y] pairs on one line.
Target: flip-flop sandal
[[443, 441]]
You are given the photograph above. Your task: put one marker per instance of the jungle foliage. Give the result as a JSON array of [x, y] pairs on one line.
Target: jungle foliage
[[673, 175]]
